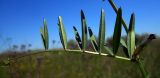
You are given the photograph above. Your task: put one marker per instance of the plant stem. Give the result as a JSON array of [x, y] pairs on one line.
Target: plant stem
[[103, 54], [116, 10], [89, 52], [142, 69]]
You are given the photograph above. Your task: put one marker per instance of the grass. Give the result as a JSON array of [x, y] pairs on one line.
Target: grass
[[60, 64]]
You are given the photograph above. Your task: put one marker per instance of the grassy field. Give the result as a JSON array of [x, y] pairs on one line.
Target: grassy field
[[60, 64]]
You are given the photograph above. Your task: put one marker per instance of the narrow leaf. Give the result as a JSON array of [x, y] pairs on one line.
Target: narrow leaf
[[131, 36], [123, 43], [43, 41], [62, 33], [77, 37], [125, 50], [44, 35], [117, 32], [101, 37], [124, 47], [42, 31], [109, 50], [93, 39], [84, 31]]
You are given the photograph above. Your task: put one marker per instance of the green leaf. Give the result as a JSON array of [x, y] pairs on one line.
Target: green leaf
[[101, 37], [109, 50], [77, 37], [131, 36], [62, 33], [43, 41], [84, 31], [44, 34], [124, 47], [93, 39], [42, 31], [123, 43], [117, 32]]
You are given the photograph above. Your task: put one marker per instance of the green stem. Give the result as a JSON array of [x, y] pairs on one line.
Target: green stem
[[116, 10], [89, 52], [142, 69], [102, 54]]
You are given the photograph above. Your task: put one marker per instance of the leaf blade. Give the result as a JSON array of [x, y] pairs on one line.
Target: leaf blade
[[101, 36], [131, 36], [109, 50], [117, 31], [44, 34], [84, 31], [93, 39], [124, 47], [62, 33], [77, 37]]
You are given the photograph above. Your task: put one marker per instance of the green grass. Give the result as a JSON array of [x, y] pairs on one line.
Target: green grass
[[61, 64]]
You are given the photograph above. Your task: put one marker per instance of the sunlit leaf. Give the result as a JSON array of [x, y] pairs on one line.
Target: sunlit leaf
[[43, 41], [109, 50], [42, 31], [93, 39], [84, 31], [117, 32], [123, 43], [131, 36], [101, 36], [44, 35], [77, 37], [62, 33], [124, 47]]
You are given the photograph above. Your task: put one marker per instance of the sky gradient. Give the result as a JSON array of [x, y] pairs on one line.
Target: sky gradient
[[20, 20]]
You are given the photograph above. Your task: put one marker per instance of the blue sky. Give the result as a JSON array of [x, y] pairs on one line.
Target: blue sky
[[20, 20]]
